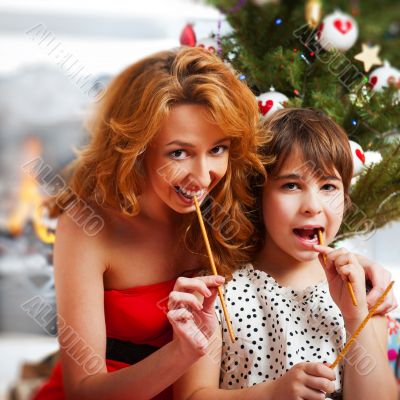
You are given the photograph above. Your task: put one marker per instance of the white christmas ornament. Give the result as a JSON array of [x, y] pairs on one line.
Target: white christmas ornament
[[337, 31], [271, 101], [383, 76], [372, 157], [358, 158], [209, 44]]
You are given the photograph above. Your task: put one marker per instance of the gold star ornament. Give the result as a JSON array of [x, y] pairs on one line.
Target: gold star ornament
[[369, 56]]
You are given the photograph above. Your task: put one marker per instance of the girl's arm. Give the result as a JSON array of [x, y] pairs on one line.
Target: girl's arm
[[202, 379], [303, 381], [79, 269], [367, 374]]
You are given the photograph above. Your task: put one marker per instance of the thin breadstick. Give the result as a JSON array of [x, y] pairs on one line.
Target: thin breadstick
[[362, 325], [214, 269], [349, 285]]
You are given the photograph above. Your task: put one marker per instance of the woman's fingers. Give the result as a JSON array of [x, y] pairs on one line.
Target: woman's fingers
[[380, 279], [208, 303], [182, 299], [200, 284], [180, 314], [186, 329], [184, 289]]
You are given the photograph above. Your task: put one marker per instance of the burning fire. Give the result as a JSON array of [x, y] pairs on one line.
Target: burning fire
[[29, 204]]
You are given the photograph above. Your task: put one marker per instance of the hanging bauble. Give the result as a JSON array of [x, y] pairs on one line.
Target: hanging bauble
[[372, 157], [313, 13], [383, 77], [209, 44], [358, 158], [188, 36], [337, 31], [271, 101]]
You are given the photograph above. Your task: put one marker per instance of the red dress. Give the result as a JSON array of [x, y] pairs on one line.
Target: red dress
[[136, 315]]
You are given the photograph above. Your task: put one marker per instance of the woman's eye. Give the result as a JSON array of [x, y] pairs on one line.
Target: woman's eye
[[329, 187], [290, 186], [217, 150], [178, 154]]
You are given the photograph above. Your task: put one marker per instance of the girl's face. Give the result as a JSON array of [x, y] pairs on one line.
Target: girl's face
[[188, 157], [296, 202]]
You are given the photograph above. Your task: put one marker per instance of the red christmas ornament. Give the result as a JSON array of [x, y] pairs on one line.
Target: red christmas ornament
[[188, 36]]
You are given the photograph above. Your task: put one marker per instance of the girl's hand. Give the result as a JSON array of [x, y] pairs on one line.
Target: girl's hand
[[380, 279], [342, 266], [191, 313], [304, 381]]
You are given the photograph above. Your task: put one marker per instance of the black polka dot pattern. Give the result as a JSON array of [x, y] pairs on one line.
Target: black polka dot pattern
[[276, 328]]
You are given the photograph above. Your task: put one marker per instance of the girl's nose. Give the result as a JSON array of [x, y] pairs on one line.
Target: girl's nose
[[311, 204]]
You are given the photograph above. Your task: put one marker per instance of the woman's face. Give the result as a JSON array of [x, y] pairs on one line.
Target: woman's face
[[298, 201], [188, 157]]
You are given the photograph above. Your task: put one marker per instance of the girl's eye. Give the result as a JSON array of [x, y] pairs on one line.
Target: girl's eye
[[218, 150], [178, 154], [329, 187], [290, 186]]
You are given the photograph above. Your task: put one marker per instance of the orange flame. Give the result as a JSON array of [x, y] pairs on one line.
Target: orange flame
[[30, 200]]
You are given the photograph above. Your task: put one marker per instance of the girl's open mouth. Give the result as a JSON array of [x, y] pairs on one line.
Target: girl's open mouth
[[307, 235]]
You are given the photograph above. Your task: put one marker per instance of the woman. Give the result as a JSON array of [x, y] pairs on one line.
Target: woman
[[174, 125]]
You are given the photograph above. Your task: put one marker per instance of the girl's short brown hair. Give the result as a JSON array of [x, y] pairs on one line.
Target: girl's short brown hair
[[322, 143]]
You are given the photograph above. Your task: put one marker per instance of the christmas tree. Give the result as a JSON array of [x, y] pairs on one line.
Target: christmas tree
[[339, 57]]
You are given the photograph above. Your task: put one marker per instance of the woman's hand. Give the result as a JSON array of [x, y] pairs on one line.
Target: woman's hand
[[342, 266], [380, 279], [191, 313], [304, 381]]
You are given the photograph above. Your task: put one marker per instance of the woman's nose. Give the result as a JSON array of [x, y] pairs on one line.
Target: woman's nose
[[202, 173]]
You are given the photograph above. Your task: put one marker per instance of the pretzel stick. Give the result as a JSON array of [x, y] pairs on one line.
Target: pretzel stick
[[214, 269], [362, 325], [349, 285]]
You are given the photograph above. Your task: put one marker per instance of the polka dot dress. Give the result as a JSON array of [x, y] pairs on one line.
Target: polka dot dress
[[276, 328]]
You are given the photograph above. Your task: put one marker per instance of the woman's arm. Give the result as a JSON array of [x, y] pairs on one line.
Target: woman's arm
[[79, 268], [367, 374]]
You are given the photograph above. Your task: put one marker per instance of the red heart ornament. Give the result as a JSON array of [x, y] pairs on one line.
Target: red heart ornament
[[360, 155], [342, 26], [373, 80], [188, 37], [265, 108]]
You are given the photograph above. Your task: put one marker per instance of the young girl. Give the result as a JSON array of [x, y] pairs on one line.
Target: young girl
[[290, 311], [171, 126]]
